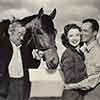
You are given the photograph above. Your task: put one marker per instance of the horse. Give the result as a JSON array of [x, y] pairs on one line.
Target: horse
[[41, 34]]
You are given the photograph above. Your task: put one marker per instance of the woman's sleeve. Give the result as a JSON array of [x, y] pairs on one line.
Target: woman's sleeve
[[67, 65]]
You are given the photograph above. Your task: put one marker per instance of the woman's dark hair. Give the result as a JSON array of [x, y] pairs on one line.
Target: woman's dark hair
[[64, 38]]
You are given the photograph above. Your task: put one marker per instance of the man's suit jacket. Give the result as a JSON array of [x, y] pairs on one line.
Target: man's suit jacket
[[6, 52]]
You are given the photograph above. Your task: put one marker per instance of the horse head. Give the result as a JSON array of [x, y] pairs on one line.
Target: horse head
[[41, 35]]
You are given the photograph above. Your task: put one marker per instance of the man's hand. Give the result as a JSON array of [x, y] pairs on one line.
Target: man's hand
[[37, 54]]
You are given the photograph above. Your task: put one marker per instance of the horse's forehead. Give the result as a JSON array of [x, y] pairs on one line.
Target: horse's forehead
[[34, 23]]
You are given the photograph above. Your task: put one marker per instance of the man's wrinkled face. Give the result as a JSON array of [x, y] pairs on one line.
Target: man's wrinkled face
[[87, 33], [16, 32]]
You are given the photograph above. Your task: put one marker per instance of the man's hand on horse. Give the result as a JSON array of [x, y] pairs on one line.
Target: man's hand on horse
[[37, 54]]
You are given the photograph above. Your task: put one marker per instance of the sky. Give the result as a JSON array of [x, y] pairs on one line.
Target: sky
[[68, 11]]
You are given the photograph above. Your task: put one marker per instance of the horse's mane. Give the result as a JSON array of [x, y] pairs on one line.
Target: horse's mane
[[46, 20], [27, 19]]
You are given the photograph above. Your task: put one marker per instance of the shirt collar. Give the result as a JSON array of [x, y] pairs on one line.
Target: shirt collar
[[91, 45], [14, 45]]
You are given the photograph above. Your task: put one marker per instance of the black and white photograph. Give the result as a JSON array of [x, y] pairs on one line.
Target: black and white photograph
[[49, 49]]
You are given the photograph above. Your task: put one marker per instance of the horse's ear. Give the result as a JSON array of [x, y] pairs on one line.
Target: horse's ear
[[41, 12], [53, 14]]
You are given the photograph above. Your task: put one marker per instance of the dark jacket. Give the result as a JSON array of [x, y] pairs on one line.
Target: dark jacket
[[6, 52], [72, 65]]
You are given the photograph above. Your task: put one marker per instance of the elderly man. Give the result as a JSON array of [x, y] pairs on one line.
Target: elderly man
[[91, 85], [19, 57], [15, 66]]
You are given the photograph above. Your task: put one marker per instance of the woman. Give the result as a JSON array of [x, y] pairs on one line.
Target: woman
[[72, 61]]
